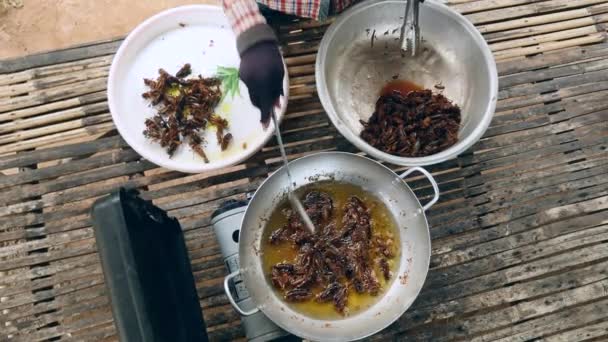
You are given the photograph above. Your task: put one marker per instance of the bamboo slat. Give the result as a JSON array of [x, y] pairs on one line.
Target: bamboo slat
[[547, 28], [558, 16], [518, 236], [531, 9]]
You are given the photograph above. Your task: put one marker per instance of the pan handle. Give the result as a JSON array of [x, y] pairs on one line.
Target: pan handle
[[431, 179], [229, 294]]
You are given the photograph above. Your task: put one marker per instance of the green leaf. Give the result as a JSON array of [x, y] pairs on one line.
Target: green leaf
[[230, 81]]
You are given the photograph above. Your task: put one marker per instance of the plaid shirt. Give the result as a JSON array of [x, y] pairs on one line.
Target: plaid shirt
[[243, 14]]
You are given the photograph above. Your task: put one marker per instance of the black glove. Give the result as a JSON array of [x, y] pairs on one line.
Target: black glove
[[261, 68]]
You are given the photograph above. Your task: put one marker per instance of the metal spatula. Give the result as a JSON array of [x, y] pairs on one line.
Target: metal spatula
[[293, 199]]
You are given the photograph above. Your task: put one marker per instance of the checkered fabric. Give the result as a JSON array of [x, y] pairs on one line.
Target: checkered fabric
[[243, 14]]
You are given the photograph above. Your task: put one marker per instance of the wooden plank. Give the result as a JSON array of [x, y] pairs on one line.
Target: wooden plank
[[59, 128], [39, 323], [514, 220], [551, 27], [561, 94], [480, 271], [549, 46], [540, 120], [58, 138], [520, 168], [300, 60], [53, 81], [55, 220], [501, 295], [54, 70], [106, 159], [581, 334], [528, 10], [505, 174], [551, 86], [29, 191], [511, 209], [15, 252], [450, 226], [543, 38], [532, 20], [500, 191], [465, 273], [93, 277], [552, 59], [73, 113], [456, 322], [567, 146], [95, 318], [68, 151], [519, 312], [543, 143], [54, 106], [301, 49], [485, 5], [84, 192], [503, 244], [100, 333], [76, 262], [54, 94], [228, 334], [548, 324], [39, 277], [59, 56], [70, 303], [495, 159], [48, 294], [496, 142], [554, 72]]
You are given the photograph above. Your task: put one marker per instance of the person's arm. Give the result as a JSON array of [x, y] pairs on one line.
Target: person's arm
[[243, 15], [261, 66]]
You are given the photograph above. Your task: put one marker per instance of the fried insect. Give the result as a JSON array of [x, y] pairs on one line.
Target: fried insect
[[415, 124], [185, 108], [331, 258]]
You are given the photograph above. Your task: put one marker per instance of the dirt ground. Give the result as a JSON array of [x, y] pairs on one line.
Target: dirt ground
[[31, 26]]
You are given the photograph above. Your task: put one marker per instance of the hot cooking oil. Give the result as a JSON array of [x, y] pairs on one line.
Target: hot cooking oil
[[382, 223]]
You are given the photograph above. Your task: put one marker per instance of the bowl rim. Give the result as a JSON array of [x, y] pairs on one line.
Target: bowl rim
[[155, 158], [444, 155]]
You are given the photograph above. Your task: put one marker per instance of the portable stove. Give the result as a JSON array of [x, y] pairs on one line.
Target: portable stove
[[226, 222]]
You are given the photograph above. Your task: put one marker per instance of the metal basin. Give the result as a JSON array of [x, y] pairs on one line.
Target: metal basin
[[413, 232], [350, 71]]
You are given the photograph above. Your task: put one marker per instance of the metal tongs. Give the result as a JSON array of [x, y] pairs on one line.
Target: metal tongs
[[410, 31]]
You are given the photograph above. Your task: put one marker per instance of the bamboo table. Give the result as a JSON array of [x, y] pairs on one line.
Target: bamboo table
[[519, 237]]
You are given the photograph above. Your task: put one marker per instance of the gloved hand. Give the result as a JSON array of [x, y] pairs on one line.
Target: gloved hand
[[261, 68]]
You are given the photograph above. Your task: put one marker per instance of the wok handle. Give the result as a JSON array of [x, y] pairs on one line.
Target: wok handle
[[431, 179], [229, 294]]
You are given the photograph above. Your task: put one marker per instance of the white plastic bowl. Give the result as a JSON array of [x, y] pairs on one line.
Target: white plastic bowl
[[199, 35]]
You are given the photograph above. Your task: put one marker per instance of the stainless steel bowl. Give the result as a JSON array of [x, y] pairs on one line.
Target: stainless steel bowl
[[350, 71], [413, 234]]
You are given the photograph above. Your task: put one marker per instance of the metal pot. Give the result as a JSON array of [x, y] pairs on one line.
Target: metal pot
[[402, 204], [350, 71]]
